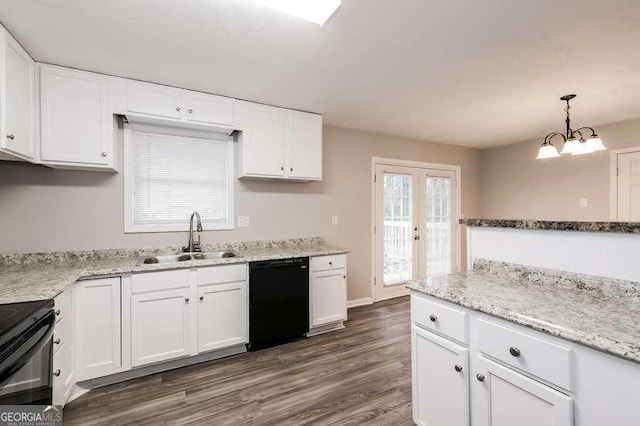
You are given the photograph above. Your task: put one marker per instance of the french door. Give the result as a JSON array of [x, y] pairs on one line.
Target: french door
[[415, 229]]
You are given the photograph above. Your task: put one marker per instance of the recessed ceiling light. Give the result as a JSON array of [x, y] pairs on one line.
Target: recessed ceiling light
[[316, 11]]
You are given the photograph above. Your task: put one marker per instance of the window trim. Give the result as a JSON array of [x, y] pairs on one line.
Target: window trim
[[129, 226]]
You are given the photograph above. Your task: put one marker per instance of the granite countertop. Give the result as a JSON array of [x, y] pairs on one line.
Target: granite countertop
[[42, 276], [556, 225], [596, 312]]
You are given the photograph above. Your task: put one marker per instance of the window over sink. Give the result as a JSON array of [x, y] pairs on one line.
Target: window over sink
[[169, 173]]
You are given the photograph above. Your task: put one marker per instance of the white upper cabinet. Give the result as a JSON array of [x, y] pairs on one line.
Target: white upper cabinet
[[277, 143], [207, 109], [147, 102], [76, 119], [17, 101], [304, 146], [154, 100], [263, 141]]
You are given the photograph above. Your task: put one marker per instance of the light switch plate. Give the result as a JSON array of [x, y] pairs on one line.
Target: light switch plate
[[584, 203], [334, 220], [243, 221]]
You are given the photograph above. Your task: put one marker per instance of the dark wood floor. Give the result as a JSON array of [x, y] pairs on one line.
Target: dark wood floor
[[358, 375]]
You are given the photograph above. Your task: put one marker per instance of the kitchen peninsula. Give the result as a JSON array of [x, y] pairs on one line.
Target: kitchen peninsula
[[531, 327]]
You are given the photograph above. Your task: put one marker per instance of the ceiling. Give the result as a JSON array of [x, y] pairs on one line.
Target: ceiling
[[464, 72]]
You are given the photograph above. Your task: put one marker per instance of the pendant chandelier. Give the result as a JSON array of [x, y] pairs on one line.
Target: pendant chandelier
[[574, 141]]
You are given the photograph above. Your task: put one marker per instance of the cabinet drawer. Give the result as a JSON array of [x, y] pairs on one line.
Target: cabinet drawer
[[62, 305], [322, 263], [61, 333], [222, 274], [542, 359], [155, 281], [62, 374], [439, 318]]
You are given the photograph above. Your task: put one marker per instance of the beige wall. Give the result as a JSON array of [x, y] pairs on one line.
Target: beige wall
[[43, 209], [514, 185]]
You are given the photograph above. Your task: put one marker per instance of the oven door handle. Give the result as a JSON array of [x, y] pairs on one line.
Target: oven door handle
[[10, 364]]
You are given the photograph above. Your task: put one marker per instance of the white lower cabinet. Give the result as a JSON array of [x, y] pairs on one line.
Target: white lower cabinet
[[440, 380], [222, 315], [505, 395], [526, 384], [329, 297], [160, 326], [328, 291], [97, 327]]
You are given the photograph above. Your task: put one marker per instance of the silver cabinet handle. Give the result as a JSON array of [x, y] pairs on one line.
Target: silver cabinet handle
[[201, 298], [344, 276], [480, 377], [186, 299], [282, 168], [291, 169], [330, 263], [433, 318], [458, 368], [178, 109], [57, 341], [104, 154], [190, 110], [514, 351], [11, 136], [57, 312], [56, 373]]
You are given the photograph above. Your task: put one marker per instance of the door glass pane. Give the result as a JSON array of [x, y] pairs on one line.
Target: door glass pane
[[397, 223], [438, 225]]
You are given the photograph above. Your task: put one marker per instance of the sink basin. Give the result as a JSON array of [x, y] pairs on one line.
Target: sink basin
[[183, 257], [171, 258], [214, 255]]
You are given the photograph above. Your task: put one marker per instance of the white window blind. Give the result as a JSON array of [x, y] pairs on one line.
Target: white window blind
[[170, 176]]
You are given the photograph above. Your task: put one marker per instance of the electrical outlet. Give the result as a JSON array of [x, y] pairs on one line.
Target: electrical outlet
[[334, 220], [584, 203], [243, 221]]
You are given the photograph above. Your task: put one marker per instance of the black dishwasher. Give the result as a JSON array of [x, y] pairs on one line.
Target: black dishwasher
[[278, 301]]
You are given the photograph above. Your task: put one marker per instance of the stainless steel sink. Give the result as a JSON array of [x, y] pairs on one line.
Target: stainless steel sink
[[214, 255], [184, 257]]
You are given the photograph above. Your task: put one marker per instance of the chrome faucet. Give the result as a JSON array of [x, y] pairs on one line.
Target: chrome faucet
[[194, 246]]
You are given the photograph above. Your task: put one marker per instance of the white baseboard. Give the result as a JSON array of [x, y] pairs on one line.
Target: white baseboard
[[359, 302]]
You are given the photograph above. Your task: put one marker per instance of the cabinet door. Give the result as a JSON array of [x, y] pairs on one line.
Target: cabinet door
[[154, 100], [18, 106], [160, 326], [208, 109], [263, 141], [304, 146], [328, 297], [505, 395], [440, 391], [96, 325], [222, 316], [77, 122]]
